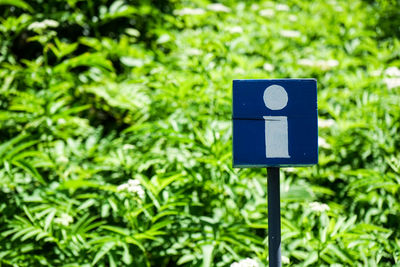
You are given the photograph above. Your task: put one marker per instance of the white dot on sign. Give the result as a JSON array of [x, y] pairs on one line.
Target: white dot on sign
[[275, 97]]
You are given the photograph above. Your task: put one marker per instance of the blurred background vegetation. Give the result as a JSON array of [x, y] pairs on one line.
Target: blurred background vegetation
[[115, 132]]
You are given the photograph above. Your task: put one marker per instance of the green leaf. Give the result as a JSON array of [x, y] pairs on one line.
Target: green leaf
[[115, 229], [49, 219], [132, 62], [87, 59], [17, 3], [207, 254], [134, 241], [29, 168], [5, 147], [103, 251], [186, 258], [118, 9]]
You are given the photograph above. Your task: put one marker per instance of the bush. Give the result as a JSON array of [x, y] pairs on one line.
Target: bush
[[116, 133]]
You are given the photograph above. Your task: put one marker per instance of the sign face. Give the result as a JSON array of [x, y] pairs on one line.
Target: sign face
[[275, 123]]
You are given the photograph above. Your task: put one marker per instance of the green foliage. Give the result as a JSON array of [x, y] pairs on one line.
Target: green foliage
[[388, 12], [115, 132]]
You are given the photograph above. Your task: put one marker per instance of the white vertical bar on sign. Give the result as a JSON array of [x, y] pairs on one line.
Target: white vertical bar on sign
[[276, 137]]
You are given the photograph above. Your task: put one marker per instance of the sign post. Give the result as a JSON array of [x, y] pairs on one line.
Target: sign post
[[274, 217], [275, 124]]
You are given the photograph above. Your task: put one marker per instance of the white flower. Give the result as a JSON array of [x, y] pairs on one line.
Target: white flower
[[63, 159], [163, 38], [392, 82], [122, 187], [290, 33], [393, 71], [268, 67], [322, 143], [325, 65], [376, 73], [289, 169], [132, 32], [189, 11], [267, 13], [47, 23], [194, 51], [254, 7], [217, 7], [338, 9], [235, 29], [285, 260], [245, 263], [128, 146], [325, 123], [65, 219], [282, 7], [319, 207], [328, 64], [292, 18], [306, 62], [321, 64], [132, 186]]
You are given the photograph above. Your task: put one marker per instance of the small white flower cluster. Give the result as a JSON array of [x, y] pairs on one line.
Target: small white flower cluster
[[62, 159], [321, 64], [292, 18], [326, 123], [376, 73], [268, 13], [254, 7], [289, 169], [47, 23], [282, 7], [65, 219], [392, 71], [290, 33], [61, 121], [268, 67], [193, 51], [235, 29], [319, 207], [132, 186], [245, 263], [323, 143], [128, 146], [217, 7], [394, 80], [189, 11], [285, 260]]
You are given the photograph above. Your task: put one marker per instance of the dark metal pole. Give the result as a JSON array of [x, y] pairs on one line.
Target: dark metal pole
[[274, 217]]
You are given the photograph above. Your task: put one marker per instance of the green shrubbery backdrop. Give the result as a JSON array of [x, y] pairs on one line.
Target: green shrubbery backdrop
[[115, 131]]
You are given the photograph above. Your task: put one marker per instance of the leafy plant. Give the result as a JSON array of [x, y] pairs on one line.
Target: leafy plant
[[115, 132]]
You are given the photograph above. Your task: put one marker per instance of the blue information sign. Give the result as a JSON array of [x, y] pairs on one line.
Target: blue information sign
[[275, 123]]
